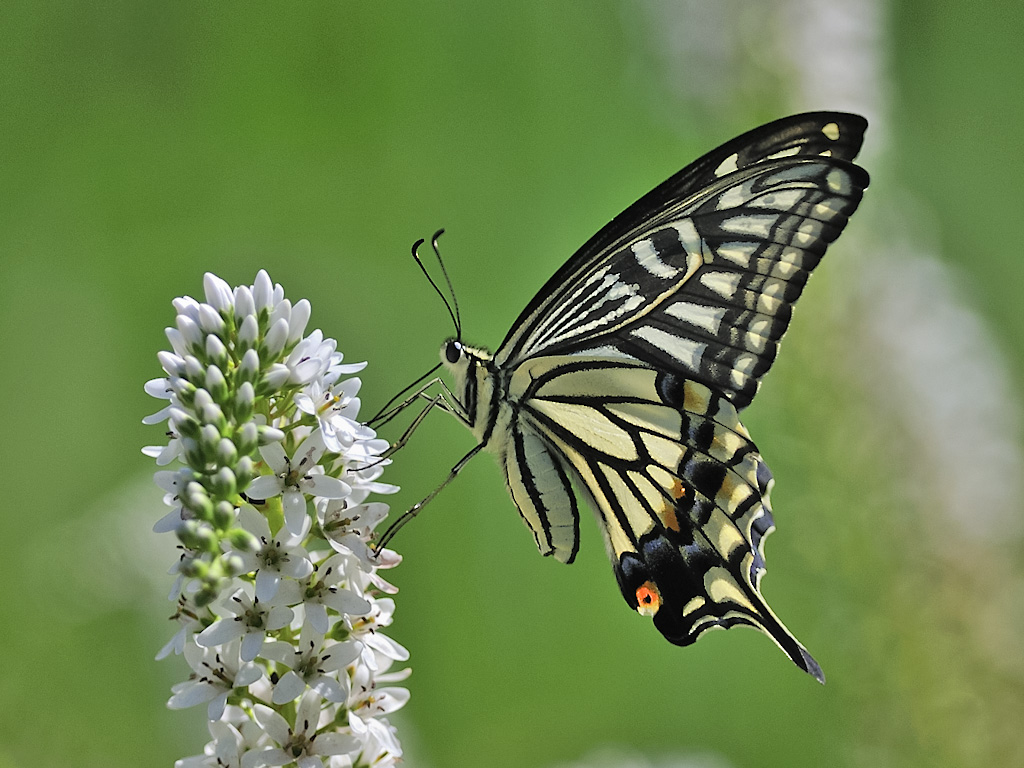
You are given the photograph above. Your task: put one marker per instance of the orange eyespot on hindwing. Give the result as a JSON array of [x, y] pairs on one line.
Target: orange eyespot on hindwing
[[648, 599]]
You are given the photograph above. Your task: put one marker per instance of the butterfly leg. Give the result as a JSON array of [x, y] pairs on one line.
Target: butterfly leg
[[437, 401], [415, 509], [446, 400]]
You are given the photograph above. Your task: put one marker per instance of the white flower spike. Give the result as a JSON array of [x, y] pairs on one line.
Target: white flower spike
[[265, 456]]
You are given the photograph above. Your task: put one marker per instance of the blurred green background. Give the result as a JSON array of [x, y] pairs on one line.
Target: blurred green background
[[142, 144]]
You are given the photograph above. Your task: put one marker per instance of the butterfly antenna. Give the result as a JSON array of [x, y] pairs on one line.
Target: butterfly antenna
[[416, 255], [451, 289]]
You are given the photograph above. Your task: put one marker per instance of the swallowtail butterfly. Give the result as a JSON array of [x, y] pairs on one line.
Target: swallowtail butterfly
[[625, 374]]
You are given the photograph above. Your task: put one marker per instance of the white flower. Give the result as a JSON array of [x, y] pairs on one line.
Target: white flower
[[215, 674], [276, 557], [377, 734], [335, 409], [380, 745], [161, 389], [173, 482], [189, 625], [313, 664], [301, 743], [294, 477], [312, 358], [366, 629], [366, 705], [349, 527], [240, 387], [230, 743], [169, 522], [363, 466], [317, 358], [366, 701], [165, 454], [247, 619], [364, 579], [320, 592]]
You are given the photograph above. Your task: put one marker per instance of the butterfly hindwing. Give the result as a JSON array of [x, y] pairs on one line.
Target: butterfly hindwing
[[540, 487], [679, 489]]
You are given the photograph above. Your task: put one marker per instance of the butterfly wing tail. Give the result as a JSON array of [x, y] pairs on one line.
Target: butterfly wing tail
[[706, 574], [686, 597]]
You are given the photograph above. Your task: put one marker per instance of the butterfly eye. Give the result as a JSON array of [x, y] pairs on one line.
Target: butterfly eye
[[453, 351]]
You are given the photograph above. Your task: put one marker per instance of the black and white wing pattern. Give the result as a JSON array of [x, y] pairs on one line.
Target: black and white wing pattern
[[679, 489], [700, 274], [625, 374]]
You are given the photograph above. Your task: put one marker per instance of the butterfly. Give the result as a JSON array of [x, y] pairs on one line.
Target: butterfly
[[625, 374]]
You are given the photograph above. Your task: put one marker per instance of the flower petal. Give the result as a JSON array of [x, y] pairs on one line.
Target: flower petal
[[255, 523], [168, 522], [275, 726], [316, 614], [252, 644], [267, 582], [221, 632], [335, 744], [339, 655], [345, 601], [288, 688], [216, 707], [296, 520], [274, 455], [330, 689], [248, 674], [265, 486], [326, 487], [194, 692]]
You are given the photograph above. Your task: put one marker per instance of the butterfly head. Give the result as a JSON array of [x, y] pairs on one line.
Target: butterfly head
[[461, 359], [452, 352], [455, 357]]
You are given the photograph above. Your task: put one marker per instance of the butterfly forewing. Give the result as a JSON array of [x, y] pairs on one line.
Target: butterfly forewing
[[813, 135], [705, 285], [625, 374], [722, 325]]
